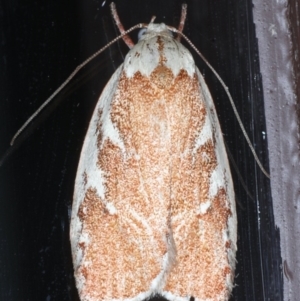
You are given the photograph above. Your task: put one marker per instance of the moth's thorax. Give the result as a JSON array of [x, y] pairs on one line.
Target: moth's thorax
[[157, 47]]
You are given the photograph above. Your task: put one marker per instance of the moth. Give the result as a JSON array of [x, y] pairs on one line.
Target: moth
[[154, 207]]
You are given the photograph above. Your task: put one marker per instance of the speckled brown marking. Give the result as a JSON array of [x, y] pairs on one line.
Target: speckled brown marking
[[159, 128], [148, 232], [196, 264], [162, 77], [160, 44], [108, 234]]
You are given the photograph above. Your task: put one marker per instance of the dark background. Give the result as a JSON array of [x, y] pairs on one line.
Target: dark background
[[41, 43]]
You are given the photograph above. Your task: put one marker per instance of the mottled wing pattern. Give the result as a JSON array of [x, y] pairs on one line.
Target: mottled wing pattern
[[154, 208]]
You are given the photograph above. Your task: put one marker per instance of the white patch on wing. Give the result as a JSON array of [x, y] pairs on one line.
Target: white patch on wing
[[111, 208], [139, 297], [204, 207], [145, 55], [84, 239], [88, 164], [171, 297], [216, 180], [168, 261], [158, 282], [221, 176], [110, 131], [80, 281], [205, 134]]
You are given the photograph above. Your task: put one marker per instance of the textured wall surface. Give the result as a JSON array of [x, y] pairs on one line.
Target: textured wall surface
[[277, 29]]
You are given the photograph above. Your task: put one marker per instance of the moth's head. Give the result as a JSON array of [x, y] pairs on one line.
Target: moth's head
[[154, 29]]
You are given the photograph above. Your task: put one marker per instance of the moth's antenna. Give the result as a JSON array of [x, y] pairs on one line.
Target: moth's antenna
[[182, 21], [126, 38], [230, 99], [152, 19], [78, 68]]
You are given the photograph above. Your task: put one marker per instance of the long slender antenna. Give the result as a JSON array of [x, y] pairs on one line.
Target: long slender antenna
[[230, 99], [182, 21], [77, 69], [126, 38]]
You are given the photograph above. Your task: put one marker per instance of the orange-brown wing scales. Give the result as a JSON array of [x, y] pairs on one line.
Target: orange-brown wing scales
[[156, 188], [154, 207]]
